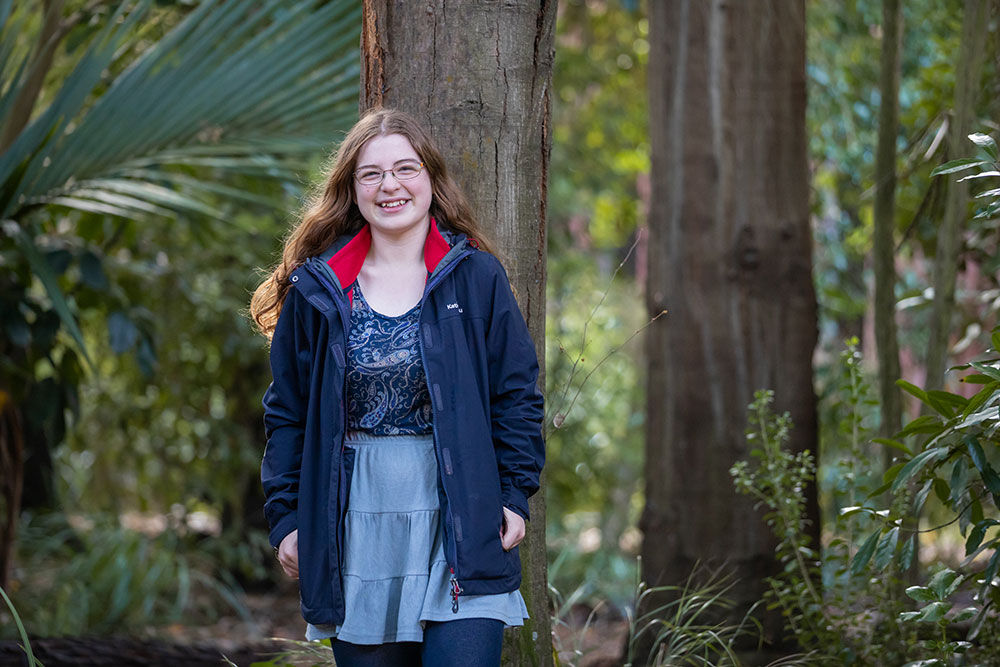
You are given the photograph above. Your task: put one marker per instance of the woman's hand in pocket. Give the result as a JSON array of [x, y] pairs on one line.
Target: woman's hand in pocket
[[512, 530], [288, 554]]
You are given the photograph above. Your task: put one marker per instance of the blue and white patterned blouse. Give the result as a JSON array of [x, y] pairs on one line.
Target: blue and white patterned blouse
[[386, 386]]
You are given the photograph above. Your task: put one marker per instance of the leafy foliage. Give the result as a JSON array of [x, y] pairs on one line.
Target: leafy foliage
[[594, 430], [843, 101], [600, 148], [957, 460], [162, 120], [777, 483], [99, 577]]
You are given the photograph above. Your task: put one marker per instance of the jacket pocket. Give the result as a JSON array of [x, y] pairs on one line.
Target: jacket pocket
[[350, 454]]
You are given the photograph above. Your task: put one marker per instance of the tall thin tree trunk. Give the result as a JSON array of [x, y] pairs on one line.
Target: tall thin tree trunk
[[975, 23], [478, 75], [883, 250], [11, 479], [730, 257]]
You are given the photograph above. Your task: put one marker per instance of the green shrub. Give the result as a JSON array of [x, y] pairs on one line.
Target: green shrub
[[90, 575]]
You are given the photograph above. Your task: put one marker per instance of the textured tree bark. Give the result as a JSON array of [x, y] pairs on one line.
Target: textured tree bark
[[11, 478], [883, 246], [975, 24], [478, 75], [730, 259]]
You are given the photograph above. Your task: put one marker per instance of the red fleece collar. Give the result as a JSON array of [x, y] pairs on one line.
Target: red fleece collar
[[346, 262]]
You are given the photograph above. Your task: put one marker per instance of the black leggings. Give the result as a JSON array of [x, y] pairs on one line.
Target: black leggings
[[467, 642]]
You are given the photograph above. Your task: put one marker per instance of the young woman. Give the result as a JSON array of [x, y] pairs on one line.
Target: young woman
[[403, 422]]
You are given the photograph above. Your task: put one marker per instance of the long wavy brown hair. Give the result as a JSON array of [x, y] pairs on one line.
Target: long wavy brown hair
[[332, 212]]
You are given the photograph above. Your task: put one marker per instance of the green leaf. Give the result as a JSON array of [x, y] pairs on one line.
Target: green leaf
[[975, 511], [964, 615], [922, 424], [982, 174], [986, 471], [935, 611], [985, 142], [977, 625], [959, 481], [980, 397], [907, 552], [959, 165], [51, 285], [921, 594], [917, 463], [995, 338], [864, 554], [886, 549], [995, 192], [977, 534], [986, 369], [921, 497], [912, 389], [851, 511], [989, 573], [895, 444], [944, 583], [976, 378], [941, 489], [945, 402]]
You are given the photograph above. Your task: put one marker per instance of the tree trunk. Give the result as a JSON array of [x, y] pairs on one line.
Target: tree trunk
[[975, 23], [478, 75], [11, 478], [883, 247], [730, 259]]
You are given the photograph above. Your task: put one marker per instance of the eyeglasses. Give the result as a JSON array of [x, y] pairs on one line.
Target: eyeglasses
[[403, 170]]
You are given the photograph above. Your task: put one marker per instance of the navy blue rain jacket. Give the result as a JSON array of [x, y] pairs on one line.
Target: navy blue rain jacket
[[482, 375]]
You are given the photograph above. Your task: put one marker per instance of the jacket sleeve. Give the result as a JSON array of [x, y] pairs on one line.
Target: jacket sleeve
[[516, 404], [284, 423]]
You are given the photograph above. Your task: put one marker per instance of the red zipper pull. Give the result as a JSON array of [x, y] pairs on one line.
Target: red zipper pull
[[455, 590]]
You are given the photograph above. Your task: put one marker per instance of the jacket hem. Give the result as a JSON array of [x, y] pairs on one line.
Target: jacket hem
[[507, 584]]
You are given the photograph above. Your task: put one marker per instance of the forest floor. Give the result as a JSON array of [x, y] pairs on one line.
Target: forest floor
[[275, 615]]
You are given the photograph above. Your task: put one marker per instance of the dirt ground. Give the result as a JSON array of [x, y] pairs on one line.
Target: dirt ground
[[276, 614], [582, 639]]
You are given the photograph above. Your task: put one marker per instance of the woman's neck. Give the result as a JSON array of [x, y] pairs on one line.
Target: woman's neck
[[393, 274], [397, 250]]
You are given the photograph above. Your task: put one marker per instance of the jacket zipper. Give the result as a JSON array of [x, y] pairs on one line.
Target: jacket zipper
[[455, 590], [455, 586]]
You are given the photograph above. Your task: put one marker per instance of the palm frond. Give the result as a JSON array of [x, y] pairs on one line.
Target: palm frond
[[240, 78], [238, 88]]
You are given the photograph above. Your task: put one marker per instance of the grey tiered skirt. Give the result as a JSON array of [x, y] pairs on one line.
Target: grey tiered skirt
[[395, 576]]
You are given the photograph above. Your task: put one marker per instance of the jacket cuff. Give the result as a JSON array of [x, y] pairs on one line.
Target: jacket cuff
[[516, 501], [285, 525]]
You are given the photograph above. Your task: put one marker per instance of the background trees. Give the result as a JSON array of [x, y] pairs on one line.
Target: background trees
[[730, 259]]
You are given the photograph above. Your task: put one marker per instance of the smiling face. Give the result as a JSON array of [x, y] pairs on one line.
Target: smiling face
[[393, 207]]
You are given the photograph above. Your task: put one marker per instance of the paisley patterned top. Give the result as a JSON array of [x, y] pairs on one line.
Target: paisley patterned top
[[386, 386]]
